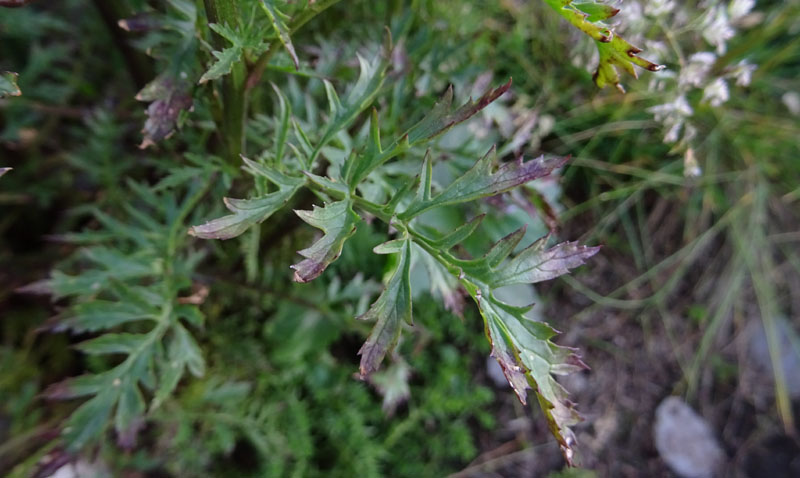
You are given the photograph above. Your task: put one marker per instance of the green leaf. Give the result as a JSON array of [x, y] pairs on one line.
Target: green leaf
[[75, 387], [529, 359], [392, 308], [459, 234], [480, 181], [441, 119], [522, 346], [614, 50], [596, 11], [191, 314], [536, 265], [222, 66], [619, 53], [129, 415], [328, 184], [102, 314], [139, 270], [278, 23], [90, 419], [186, 350], [8, 85], [436, 122], [113, 344], [359, 98], [247, 212], [227, 33], [338, 221], [390, 247]]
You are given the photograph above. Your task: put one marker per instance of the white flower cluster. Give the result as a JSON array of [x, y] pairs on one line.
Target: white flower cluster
[[714, 22]]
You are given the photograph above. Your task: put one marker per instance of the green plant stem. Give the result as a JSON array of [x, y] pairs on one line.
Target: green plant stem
[[233, 96]]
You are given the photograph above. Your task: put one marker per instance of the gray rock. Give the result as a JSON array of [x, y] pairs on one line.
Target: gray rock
[[788, 341], [685, 440]]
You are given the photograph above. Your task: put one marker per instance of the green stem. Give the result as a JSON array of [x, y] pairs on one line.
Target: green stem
[[233, 96]]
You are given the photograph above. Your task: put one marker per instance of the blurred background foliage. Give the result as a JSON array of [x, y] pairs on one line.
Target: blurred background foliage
[[696, 292]]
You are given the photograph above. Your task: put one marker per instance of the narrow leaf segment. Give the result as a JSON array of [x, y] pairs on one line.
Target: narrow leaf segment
[[278, 20], [392, 308], [247, 212], [338, 221], [437, 122], [480, 181], [521, 346]]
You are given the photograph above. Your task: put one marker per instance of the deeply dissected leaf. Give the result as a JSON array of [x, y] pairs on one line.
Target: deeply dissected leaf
[[358, 166], [278, 20], [436, 122], [614, 50], [441, 119], [102, 314], [459, 234], [529, 359], [619, 53], [359, 98], [122, 343], [8, 84], [536, 265], [247, 212], [182, 352], [225, 61], [480, 181], [390, 310], [595, 11], [131, 286], [338, 221], [128, 417], [522, 346], [90, 419], [185, 350]]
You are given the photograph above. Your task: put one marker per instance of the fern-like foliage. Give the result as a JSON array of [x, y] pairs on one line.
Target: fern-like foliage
[[615, 52], [521, 346], [131, 300]]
